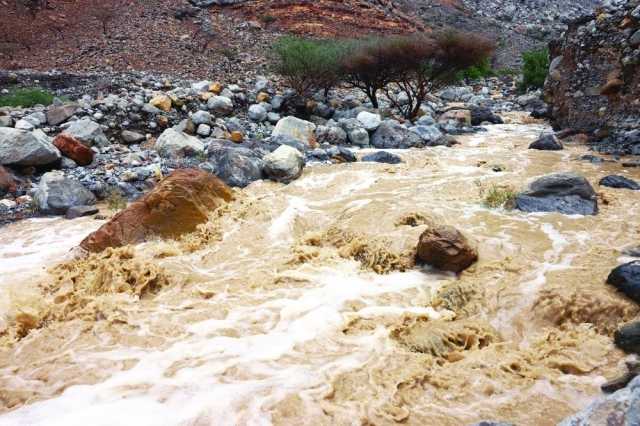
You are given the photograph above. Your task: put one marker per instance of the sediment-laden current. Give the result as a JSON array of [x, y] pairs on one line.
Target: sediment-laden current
[[301, 304]]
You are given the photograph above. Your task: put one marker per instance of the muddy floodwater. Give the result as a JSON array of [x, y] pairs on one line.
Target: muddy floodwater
[[300, 304]]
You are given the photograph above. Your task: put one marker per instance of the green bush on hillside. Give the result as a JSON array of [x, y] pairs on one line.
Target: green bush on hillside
[[535, 69], [26, 98], [308, 65]]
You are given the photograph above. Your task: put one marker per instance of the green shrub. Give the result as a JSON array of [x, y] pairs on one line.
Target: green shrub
[[26, 98], [497, 196], [535, 69], [308, 65], [482, 70]]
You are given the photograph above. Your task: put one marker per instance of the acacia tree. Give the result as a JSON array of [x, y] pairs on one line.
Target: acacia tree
[[425, 64]]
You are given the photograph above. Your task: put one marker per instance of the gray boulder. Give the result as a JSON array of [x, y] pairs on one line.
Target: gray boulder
[[129, 137], [382, 157], [56, 194], [174, 144], [565, 193], [369, 121], [88, 132], [392, 135], [431, 135], [620, 182], [332, 135], [6, 121], [356, 133], [257, 113], [285, 164], [297, 129], [221, 105], [201, 117], [620, 408], [22, 148], [58, 114], [236, 166]]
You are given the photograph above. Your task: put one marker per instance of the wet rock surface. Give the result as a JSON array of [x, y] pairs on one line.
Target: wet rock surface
[[176, 206], [565, 193], [446, 248], [626, 278]]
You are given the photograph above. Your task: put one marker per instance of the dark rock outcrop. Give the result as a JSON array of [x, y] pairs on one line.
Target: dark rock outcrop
[[594, 78], [627, 338], [620, 182], [547, 142], [563, 192], [382, 157], [626, 278], [175, 207]]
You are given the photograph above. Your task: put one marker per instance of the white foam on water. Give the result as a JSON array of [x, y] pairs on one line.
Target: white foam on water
[[145, 395]]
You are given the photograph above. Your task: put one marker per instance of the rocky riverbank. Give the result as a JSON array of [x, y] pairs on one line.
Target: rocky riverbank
[[117, 140]]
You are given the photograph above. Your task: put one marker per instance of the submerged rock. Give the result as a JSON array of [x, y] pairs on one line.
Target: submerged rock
[[619, 182], [626, 278], [620, 408], [80, 211], [56, 194], [547, 142], [627, 338], [446, 248], [565, 193], [285, 164], [382, 157], [176, 206]]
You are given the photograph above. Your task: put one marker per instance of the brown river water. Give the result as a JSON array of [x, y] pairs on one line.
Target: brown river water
[[300, 304]]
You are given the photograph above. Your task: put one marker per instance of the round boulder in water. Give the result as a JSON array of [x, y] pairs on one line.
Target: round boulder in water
[[627, 338], [446, 248], [285, 164], [565, 193], [619, 182], [626, 278], [547, 142]]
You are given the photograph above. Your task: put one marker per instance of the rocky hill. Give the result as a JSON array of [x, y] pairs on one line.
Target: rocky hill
[[594, 83], [199, 38]]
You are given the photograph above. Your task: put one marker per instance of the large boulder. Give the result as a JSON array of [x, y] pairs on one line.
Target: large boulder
[[176, 206], [285, 164], [175, 144], [547, 142], [446, 248], [22, 148], [460, 117], [619, 182], [297, 129], [392, 135], [621, 408], [356, 133], [72, 148], [480, 114], [56, 194], [88, 132], [626, 279], [565, 193], [58, 114], [236, 166]]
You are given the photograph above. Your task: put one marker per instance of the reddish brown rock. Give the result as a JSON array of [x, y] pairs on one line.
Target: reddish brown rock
[[446, 248], [612, 87], [7, 182], [72, 148], [175, 207]]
